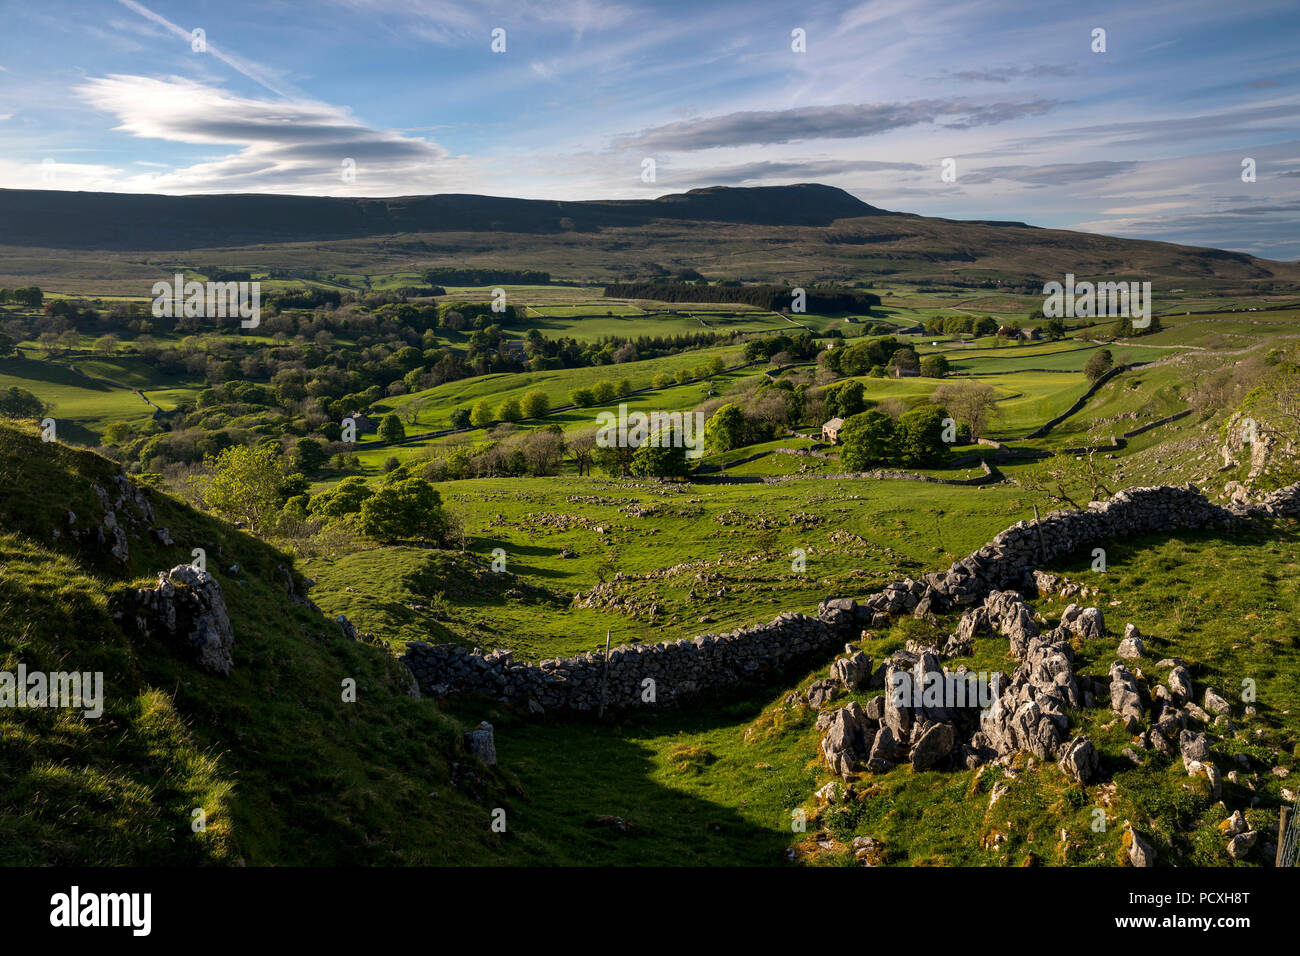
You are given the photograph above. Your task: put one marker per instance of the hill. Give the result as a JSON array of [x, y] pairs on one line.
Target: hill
[[283, 769], [105, 243], [126, 221]]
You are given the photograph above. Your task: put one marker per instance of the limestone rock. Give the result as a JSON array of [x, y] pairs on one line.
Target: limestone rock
[[188, 603], [1140, 852], [1215, 703], [481, 743], [1240, 845], [1080, 759], [933, 746]]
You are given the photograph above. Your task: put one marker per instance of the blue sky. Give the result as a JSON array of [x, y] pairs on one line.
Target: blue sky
[[1146, 139]]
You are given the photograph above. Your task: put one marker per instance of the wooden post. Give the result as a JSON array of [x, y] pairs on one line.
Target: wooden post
[[1283, 821], [1042, 551], [604, 676]]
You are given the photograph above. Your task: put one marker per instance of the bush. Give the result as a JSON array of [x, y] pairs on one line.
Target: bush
[[582, 397], [405, 510], [535, 404], [869, 439], [391, 428], [651, 462], [510, 410]]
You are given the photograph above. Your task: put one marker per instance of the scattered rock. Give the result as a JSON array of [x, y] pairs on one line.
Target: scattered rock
[[481, 743]]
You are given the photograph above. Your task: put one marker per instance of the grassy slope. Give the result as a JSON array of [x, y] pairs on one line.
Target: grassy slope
[[286, 772]]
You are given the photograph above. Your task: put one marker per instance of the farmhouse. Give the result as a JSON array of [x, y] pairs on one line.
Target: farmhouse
[[1030, 335], [365, 424], [831, 430]]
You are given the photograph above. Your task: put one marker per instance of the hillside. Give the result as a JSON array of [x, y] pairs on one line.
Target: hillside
[[284, 770], [121, 243], [128, 221]]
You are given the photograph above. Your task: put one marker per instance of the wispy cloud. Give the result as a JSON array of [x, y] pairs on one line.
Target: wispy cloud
[[257, 74], [845, 121], [285, 145]]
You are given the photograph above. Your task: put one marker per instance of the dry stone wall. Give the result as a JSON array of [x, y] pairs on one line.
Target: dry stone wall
[[648, 675]]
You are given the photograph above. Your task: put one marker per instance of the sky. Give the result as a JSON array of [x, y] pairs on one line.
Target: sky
[[575, 99]]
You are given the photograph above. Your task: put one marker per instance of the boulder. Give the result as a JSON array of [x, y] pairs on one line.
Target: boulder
[[1131, 648], [886, 750], [848, 739], [481, 743], [1124, 697], [1180, 684], [1080, 759], [822, 692], [1193, 746], [1240, 845], [935, 743], [187, 603], [853, 672], [1215, 703], [1140, 852]]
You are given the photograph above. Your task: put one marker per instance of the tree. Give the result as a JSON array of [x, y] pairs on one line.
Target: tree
[[6, 345], [245, 485], [716, 365], [342, 500], [535, 404], [481, 414], [581, 448], [934, 366], [1072, 478], [624, 387], [868, 439], [510, 411], [583, 397], [309, 455], [604, 392], [391, 429], [726, 429], [662, 380], [1098, 365], [406, 510], [920, 436], [650, 461], [846, 400], [974, 404], [106, 344], [906, 360], [460, 418]]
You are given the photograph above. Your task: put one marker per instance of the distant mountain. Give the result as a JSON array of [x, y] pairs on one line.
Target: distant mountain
[[119, 221], [115, 242]]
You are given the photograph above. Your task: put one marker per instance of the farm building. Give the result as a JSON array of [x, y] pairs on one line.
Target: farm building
[[831, 430], [365, 424]]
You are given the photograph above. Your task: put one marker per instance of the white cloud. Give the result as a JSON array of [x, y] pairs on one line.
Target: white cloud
[[297, 146]]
